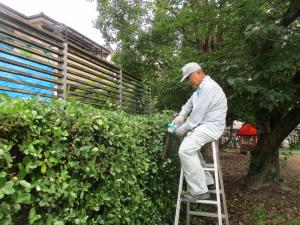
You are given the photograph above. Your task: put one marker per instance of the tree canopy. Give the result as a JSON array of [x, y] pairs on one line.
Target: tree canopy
[[250, 47]]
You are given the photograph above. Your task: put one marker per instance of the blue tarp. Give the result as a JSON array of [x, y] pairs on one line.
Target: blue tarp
[[23, 78]]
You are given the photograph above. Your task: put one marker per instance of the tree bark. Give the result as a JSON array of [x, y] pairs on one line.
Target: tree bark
[[264, 166]]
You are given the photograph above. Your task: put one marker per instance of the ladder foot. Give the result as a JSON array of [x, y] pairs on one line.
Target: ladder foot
[[218, 191]]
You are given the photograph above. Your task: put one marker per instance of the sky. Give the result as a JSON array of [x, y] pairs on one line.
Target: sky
[[77, 14]]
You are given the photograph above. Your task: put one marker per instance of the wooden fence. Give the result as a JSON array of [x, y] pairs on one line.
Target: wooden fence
[[34, 61]]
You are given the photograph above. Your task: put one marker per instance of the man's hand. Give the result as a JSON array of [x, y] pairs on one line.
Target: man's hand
[[178, 120], [180, 131], [171, 128]]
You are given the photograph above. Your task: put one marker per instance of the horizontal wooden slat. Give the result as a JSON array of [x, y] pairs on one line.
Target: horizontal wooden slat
[[92, 49], [90, 78], [92, 91], [71, 93], [4, 88], [135, 84], [109, 66], [136, 89], [130, 77], [132, 83], [30, 42], [31, 50], [25, 27], [13, 53], [134, 92], [110, 74], [131, 102], [30, 75], [89, 57], [91, 85], [130, 95], [72, 65], [29, 84], [23, 65], [133, 99]]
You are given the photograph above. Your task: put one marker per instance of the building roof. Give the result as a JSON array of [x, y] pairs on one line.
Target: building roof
[[52, 25], [247, 130]]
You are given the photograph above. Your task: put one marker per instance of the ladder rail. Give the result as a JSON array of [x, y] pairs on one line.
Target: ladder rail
[[179, 198], [188, 209], [214, 150], [216, 168], [223, 192], [188, 213]]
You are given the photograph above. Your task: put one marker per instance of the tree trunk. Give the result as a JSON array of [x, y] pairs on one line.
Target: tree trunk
[[264, 166]]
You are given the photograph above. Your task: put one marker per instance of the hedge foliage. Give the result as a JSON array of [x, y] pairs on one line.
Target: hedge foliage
[[68, 163]]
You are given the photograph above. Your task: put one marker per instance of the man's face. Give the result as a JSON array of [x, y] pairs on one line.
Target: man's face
[[194, 79]]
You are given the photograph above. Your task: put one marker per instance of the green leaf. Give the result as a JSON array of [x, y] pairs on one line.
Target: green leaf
[[59, 223], [3, 174], [17, 207], [33, 217], [43, 168], [25, 184], [23, 197], [32, 165], [1, 194], [8, 188]]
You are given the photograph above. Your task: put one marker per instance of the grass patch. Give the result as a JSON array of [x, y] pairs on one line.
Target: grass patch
[[296, 153], [261, 216], [287, 152], [295, 221]]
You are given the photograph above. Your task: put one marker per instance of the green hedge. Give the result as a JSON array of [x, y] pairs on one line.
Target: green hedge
[[68, 163]]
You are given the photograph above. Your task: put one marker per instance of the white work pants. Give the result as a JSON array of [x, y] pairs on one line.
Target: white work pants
[[191, 161]]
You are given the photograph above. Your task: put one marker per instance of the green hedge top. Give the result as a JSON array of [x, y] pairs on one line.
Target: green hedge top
[[69, 163]]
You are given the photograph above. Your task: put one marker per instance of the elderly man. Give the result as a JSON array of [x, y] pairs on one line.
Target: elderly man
[[205, 112]]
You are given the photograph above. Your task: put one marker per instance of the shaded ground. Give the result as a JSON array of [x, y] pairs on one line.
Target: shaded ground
[[268, 206]]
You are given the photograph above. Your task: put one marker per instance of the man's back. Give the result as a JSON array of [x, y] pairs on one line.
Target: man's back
[[208, 108]]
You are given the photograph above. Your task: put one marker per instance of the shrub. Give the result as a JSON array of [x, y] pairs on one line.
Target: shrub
[[69, 163]]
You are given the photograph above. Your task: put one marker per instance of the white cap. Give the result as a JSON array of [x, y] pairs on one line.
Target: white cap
[[188, 69]]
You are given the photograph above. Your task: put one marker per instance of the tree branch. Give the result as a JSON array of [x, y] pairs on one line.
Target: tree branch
[[291, 14], [288, 123]]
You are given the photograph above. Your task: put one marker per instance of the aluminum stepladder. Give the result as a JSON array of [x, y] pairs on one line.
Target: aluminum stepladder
[[216, 168]]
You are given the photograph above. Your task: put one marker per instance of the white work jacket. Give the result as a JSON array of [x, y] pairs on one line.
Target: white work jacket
[[207, 109]]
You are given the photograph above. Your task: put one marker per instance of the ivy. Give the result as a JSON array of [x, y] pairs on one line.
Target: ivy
[[69, 163]]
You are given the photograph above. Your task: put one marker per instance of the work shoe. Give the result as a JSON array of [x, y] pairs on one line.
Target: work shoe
[[190, 197], [211, 187]]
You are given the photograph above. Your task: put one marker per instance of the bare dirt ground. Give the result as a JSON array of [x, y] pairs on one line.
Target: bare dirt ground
[[268, 206]]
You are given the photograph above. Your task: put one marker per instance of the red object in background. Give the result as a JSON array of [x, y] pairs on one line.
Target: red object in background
[[248, 137], [247, 130]]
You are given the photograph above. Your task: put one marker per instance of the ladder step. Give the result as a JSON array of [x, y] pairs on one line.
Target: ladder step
[[208, 165], [207, 214], [209, 169], [214, 191], [208, 202]]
